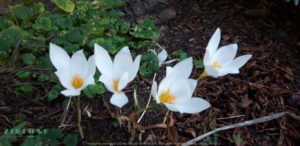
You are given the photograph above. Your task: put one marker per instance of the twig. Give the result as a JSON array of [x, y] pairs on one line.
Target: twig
[[141, 117], [232, 117], [63, 118], [242, 124], [79, 118]]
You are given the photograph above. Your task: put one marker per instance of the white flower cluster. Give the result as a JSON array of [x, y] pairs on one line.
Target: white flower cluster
[[175, 91]]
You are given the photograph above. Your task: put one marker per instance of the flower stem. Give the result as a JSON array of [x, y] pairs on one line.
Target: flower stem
[[165, 118], [143, 109], [203, 75], [79, 118]]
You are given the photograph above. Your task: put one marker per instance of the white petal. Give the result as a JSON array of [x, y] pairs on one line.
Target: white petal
[[213, 43], [193, 105], [169, 70], [211, 71], [164, 84], [65, 77], [92, 66], [88, 81], [70, 92], [225, 54], [193, 84], [79, 64], [119, 99], [181, 89], [134, 68], [126, 50], [207, 58], [123, 81], [240, 61], [122, 63], [171, 107], [183, 69], [59, 57], [154, 91], [228, 70], [108, 82], [79, 53], [162, 56], [103, 61]]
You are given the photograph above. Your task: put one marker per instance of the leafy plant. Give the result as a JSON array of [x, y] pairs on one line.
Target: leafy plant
[[29, 27], [149, 64]]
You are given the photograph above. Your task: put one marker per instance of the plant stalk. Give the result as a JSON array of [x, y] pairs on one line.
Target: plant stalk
[[203, 75], [79, 118]]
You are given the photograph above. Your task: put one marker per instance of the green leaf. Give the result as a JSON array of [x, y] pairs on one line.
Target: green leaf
[[54, 92], [5, 23], [75, 35], [107, 43], [96, 26], [149, 64], [71, 140], [91, 90], [43, 78], [30, 141], [26, 89], [110, 4], [53, 136], [23, 74], [198, 63], [43, 23], [61, 20], [145, 30], [10, 37], [70, 48], [23, 12], [180, 54], [65, 5], [38, 8], [28, 58]]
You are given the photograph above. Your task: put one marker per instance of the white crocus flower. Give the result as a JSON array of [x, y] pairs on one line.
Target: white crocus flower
[[175, 90], [115, 75], [74, 73], [220, 62]]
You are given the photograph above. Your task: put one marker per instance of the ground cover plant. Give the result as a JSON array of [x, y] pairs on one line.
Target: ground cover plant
[[83, 73]]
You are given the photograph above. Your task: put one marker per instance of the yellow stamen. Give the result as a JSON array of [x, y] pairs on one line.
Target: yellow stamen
[[167, 97], [216, 65], [116, 85], [77, 81]]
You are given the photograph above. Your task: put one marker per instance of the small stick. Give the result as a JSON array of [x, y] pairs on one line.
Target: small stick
[[242, 124], [141, 117], [165, 118], [232, 117], [79, 118], [63, 118]]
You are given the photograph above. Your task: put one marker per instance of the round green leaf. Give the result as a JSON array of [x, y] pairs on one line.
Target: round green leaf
[[54, 92], [145, 30], [65, 5], [71, 140], [149, 64], [23, 12], [23, 74], [28, 58]]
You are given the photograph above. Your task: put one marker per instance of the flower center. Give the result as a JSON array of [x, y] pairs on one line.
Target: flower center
[[116, 85], [167, 97], [77, 81], [216, 65]]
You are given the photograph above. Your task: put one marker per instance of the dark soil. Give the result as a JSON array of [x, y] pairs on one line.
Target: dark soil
[[269, 83]]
